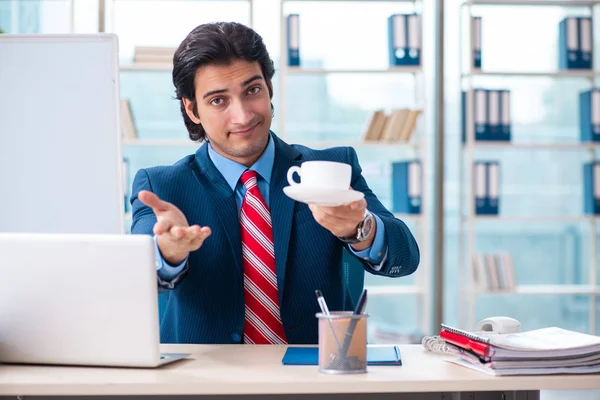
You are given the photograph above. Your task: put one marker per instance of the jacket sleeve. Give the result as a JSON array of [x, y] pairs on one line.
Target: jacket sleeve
[[143, 220], [402, 256]]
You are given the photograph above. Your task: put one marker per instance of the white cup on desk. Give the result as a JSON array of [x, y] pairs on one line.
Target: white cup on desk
[[321, 174]]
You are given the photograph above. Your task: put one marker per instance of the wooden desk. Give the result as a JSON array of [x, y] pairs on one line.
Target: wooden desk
[[256, 371]]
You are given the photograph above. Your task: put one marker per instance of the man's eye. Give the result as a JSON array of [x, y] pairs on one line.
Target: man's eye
[[254, 90], [217, 101]]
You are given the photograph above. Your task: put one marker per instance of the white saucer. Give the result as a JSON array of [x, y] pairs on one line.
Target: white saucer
[[322, 196]]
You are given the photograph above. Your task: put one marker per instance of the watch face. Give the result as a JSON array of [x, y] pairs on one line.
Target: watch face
[[367, 226]]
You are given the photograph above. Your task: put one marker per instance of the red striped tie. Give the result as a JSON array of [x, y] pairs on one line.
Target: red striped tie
[[262, 324]]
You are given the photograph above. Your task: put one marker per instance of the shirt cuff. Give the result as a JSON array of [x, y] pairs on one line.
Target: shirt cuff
[[165, 271], [375, 254]]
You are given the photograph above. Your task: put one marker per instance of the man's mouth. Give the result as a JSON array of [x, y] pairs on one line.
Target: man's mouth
[[245, 131]]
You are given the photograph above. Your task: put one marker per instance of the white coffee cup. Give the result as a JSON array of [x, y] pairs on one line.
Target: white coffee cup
[[322, 174]]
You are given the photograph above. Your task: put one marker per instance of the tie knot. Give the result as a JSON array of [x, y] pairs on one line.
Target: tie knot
[[249, 179]]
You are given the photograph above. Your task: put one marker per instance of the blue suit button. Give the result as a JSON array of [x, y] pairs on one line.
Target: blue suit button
[[236, 337]]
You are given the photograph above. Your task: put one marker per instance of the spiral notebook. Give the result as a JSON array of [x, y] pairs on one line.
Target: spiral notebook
[[546, 343], [376, 355]]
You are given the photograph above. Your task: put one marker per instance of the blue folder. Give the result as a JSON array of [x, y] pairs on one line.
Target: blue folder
[[380, 355]]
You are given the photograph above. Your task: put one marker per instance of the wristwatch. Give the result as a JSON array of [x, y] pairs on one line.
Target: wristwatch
[[363, 230]]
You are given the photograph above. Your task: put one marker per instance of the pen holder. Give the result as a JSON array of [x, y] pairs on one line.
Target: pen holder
[[342, 343]]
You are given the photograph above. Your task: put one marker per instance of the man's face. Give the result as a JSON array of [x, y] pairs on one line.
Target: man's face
[[234, 108]]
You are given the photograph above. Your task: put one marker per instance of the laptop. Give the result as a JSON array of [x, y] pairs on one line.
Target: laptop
[[79, 299]]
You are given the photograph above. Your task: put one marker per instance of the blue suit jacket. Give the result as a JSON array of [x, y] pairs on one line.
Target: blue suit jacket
[[207, 303]]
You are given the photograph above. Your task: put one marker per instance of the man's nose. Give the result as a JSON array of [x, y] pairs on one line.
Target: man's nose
[[241, 114]]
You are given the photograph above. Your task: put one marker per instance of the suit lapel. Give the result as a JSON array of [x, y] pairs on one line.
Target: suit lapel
[[223, 200], [282, 207]]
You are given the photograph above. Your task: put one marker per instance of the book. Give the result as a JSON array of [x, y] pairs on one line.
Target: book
[[545, 343], [586, 369], [407, 182], [376, 355]]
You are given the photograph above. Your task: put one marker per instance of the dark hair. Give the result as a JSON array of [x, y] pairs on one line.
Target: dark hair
[[215, 43]]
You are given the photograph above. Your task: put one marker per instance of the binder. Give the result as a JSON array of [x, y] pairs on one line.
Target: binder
[[407, 187], [493, 123], [585, 42], [493, 187], [480, 115], [589, 115], [505, 124], [568, 42], [376, 355], [293, 40], [591, 188], [398, 40], [125, 172], [476, 42], [480, 187], [414, 39]]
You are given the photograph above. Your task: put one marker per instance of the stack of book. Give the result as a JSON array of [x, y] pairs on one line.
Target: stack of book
[[493, 272], [127, 124], [153, 55], [537, 352], [397, 127]]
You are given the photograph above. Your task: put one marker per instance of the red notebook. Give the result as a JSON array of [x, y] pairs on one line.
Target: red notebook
[[479, 345]]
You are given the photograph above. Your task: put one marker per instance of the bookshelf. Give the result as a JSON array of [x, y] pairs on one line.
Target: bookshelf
[[421, 288], [468, 293]]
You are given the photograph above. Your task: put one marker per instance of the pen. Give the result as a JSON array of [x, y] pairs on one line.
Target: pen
[[359, 309], [325, 311]]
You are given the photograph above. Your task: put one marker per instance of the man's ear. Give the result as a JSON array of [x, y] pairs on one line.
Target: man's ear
[[270, 86], [190, 110]]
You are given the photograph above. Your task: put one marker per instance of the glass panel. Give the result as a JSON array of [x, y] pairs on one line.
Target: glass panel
[[392, 319], [166, 23], [49, 16], [540, 311], [535, 182]]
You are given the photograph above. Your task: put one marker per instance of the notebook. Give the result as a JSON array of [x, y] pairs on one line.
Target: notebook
[[537, 344], [376, 355]]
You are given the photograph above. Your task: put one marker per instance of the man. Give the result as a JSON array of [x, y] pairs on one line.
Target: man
[[242, 261]]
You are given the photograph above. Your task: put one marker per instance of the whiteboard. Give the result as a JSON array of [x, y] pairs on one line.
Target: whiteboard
[[60, 136]]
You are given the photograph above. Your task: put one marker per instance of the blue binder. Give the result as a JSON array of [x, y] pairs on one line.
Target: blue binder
[[379, 355], [476, 28], [413, 29], [493, 188], [493, 130], [404, 40], [584, 50], [125, 172], [480, 115], [293, 39], [505, 120], [407, 187], [591, 191], [589, 115], [486, 187], [398, 40], [568, 44], [480, 187]]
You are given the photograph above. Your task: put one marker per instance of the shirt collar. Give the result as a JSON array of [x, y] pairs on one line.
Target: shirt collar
[[232, 171]]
